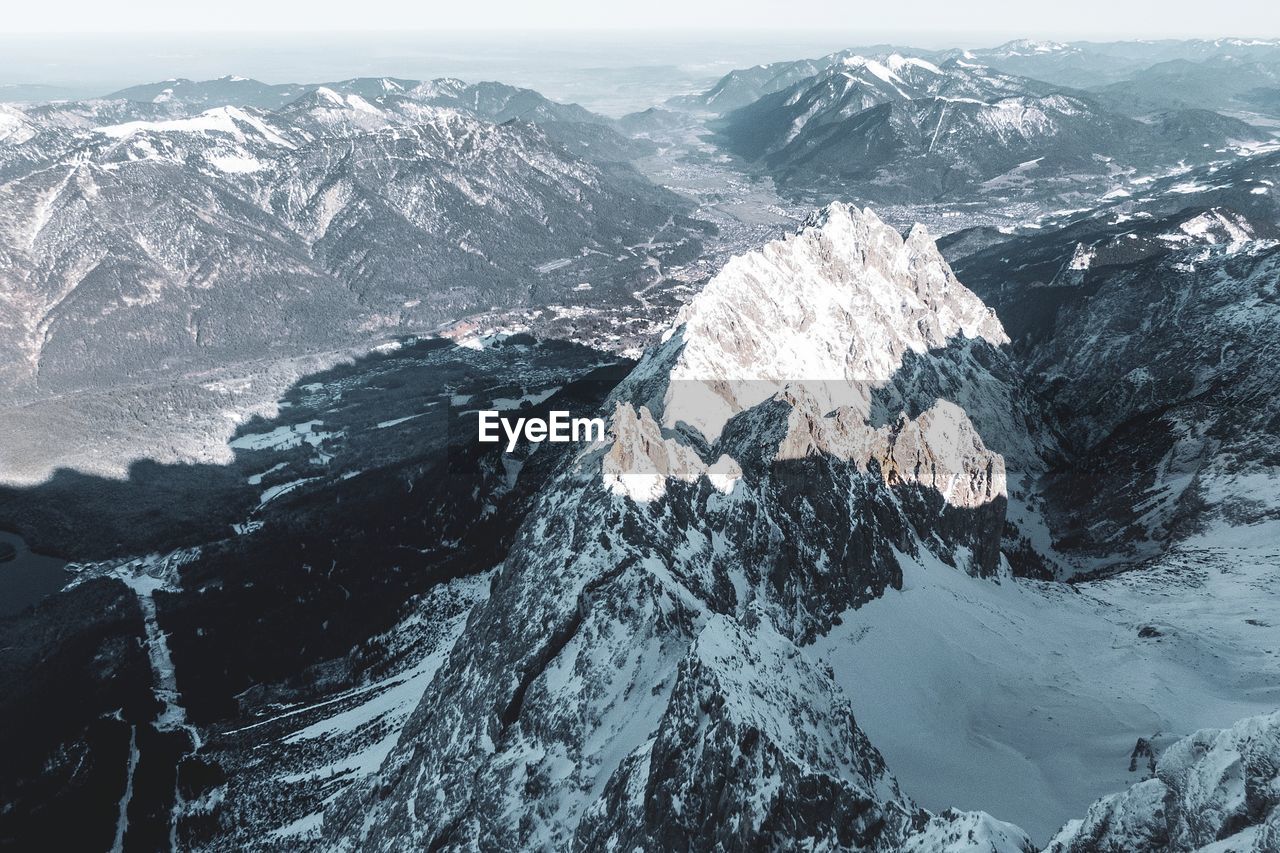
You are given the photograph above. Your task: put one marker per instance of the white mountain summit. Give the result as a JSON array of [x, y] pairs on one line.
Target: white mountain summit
[[821, 320]]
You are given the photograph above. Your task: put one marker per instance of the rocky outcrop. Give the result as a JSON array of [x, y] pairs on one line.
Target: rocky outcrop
[[1215, 790], [835, 308], [822, 321], [640, 460]]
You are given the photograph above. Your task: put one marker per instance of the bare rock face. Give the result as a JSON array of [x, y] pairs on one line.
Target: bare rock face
[[940, 450], [640, 460], [637, 676]]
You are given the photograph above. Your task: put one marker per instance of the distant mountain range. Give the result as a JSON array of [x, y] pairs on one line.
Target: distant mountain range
[[151, 231], [904, 129], [1078, 65]]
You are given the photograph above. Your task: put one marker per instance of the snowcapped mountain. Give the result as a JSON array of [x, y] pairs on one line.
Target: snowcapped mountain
[[366, 104], [855, 84], [1109, 67], [744, 86], [677, 590], [1030, 47], [498, 102], [697, 628], [663, 585], [398, 101], [1103, 64], [139, 244], [495, 102], [905, 129], [640, 606], [890, 545]]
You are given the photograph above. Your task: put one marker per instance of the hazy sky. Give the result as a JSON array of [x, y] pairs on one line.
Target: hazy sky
[[613, 56], [1100, 19]]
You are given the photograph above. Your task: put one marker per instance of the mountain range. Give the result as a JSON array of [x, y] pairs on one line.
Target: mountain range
[[902, 129], [674, 630], [158, 235], [1105, 66], [943, 524]]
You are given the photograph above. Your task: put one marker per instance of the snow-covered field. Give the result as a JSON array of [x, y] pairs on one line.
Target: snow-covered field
[[1041, 690]]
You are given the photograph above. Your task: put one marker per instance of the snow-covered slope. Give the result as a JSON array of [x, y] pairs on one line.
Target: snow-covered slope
[[954, 831], [1026, 699], [754, 744], [15, 126], [599, 695]]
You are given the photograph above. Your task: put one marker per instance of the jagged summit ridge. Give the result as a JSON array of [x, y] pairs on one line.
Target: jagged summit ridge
[[834, 306], [820, 321]]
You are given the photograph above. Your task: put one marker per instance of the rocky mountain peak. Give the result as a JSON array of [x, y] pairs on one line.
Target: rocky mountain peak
[[818, 322], [639, 664], [833, 307]]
